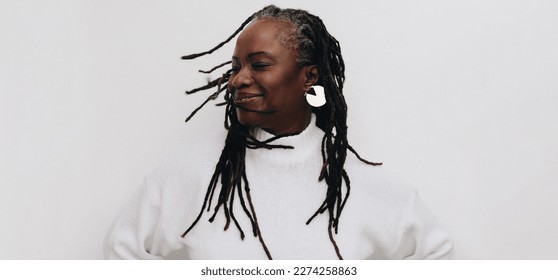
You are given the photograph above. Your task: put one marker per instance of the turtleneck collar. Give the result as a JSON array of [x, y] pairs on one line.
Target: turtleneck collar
[[306, 144]]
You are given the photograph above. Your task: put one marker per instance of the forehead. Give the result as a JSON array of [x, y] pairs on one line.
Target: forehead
[[264, 34]]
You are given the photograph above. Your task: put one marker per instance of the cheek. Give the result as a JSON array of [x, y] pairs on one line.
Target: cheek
[[285, 84]]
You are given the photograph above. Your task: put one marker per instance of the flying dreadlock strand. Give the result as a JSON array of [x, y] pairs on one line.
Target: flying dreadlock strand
[[192, 56], [210, 84], [220, 81], [215, 68]]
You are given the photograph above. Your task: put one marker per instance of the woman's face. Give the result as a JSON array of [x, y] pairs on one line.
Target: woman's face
[[267, 83]]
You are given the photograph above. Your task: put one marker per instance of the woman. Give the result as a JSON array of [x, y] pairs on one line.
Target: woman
[[283, 171]]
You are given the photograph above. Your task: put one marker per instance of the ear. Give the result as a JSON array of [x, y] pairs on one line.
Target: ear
[[311, 76]]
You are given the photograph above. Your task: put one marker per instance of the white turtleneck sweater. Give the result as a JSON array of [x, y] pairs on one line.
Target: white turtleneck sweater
[[381, 220]]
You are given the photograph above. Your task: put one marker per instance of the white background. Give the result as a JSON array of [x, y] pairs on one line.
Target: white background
[[461, 97]]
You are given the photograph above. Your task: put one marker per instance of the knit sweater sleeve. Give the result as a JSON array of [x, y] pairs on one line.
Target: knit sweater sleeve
[[423, 237], [131, 236]]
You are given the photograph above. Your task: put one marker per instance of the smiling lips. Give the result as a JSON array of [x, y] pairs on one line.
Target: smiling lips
[[241, 98]]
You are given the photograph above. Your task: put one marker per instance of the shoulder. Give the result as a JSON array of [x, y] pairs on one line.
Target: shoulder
[[188, 165], [393, 205], [382, 193], [382, 182], [198, 149]]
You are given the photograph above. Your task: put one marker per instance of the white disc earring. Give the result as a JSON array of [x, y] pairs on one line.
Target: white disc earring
[[315, 96]]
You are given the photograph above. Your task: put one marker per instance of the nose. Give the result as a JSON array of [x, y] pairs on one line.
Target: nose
[[241, 79]]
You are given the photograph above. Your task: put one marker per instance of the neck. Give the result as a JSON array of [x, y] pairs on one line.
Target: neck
[[293, 129]]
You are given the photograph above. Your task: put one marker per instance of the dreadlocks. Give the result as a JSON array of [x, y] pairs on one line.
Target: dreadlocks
[[315, 47]]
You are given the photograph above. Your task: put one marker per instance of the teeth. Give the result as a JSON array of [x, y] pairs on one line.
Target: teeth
[[246, 98]]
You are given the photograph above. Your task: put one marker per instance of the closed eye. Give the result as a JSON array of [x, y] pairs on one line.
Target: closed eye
[[259, 65], [234, 69]]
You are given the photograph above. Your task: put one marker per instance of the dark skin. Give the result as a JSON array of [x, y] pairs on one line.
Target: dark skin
[[267, 79]]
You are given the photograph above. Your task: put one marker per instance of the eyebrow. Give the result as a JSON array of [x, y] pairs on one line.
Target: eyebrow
[[252, 54]]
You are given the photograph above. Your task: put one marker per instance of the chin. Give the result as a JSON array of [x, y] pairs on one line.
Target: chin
[[249, 119]]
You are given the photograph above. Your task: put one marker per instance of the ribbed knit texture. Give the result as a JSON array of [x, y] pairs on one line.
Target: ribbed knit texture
[[382, 219]]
